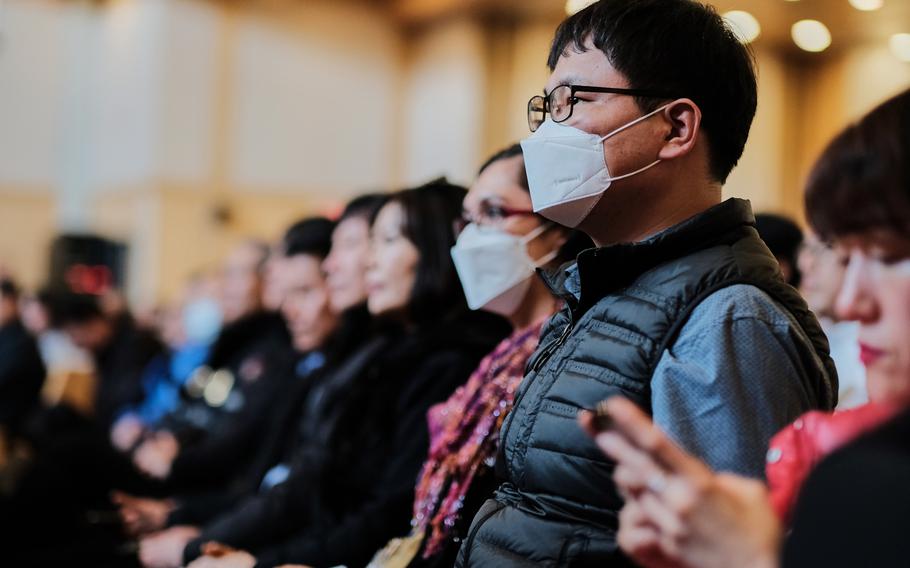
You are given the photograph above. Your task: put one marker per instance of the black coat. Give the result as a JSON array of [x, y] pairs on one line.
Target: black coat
[[119, 367], [346, 353], [21, 374], [217, 441], [352, 492]]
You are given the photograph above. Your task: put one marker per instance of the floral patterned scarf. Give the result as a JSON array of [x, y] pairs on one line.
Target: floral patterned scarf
[[464, 435]]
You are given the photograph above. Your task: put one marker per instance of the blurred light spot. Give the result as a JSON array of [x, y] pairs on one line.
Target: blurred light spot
[[573, 6], [900, 46], [811, 35], [867, 5], [743, 24]]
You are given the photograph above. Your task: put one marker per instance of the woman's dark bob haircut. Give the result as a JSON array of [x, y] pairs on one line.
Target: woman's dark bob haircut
[[861, 182], [430, 213]]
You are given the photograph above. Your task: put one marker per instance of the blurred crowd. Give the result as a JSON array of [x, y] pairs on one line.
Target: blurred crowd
[[587, 358]]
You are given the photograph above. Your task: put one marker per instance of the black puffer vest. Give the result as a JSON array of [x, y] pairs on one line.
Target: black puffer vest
[[558, 505]]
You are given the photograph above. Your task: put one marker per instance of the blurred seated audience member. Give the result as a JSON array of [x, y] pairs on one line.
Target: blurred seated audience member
[[204, 441], [325, 363], [120, 351], [188, 330], [70, 371], [502, 243], [215, 427], [852, 508], [822, 274], [784, 238], [21, 368], [351, 490]]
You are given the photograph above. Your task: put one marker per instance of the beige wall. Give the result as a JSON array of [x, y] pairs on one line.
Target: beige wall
[[27, 220], [139, 118]]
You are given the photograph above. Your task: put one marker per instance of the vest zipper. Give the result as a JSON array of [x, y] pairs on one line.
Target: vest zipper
[[550, 349], [469, 542], [545, 355]]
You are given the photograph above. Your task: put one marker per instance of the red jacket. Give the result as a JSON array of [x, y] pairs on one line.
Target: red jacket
[[795, 450]]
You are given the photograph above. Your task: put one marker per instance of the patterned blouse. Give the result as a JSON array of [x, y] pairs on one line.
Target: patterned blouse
[[464, 435]]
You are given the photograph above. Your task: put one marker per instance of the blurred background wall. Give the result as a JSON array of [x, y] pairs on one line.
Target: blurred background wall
[[180, 126]]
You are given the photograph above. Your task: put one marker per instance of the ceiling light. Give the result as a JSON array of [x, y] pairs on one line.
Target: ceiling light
[[900, 46], [573, 6], [811, 35], [867, 5], [743, 24]]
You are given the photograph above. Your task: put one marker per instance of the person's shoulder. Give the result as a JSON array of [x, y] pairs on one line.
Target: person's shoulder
[[739, 302]]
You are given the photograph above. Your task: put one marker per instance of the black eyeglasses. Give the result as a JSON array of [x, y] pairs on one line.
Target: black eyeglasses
[[561, 100]]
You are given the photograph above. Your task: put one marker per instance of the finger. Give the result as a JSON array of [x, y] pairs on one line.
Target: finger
[[630, 482], [638, 466], [670, 528], [638, 542], [637, 427]]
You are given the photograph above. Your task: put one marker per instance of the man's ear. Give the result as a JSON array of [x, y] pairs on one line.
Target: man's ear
[[683, 119]]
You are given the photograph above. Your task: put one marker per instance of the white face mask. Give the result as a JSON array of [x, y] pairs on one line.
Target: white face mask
[[202, 320], [567, 170], [494, 267]]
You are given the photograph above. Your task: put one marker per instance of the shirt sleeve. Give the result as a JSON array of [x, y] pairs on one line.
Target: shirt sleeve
[[733, 378]]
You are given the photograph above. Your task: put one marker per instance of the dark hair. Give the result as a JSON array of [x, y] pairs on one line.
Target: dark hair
[[680, 46], [511, 152], [430, 212], [364, 206], [861, 182], [576, 241], [783, 237], [74, 309], [312, 236], [9, 289]]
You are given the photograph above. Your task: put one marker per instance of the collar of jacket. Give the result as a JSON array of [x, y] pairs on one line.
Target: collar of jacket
[[598, 272]]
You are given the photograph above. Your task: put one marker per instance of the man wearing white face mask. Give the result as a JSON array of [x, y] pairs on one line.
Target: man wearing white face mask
[[681, 308]]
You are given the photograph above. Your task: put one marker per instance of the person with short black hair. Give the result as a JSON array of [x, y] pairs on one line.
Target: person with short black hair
[[681, 307], [120, 349], [838, 493], [784, 238]]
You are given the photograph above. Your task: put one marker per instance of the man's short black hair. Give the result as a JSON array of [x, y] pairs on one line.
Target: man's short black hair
[[9, 289], [680, 46], [312, 236], [74, 309]]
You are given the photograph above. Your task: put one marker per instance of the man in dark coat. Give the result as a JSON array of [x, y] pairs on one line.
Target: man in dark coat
[[121, 351]]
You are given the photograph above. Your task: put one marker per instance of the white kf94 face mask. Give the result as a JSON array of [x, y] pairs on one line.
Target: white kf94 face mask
[[494, 267], [567, 170]]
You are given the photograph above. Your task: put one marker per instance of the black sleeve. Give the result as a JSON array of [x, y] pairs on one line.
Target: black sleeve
[[226, 450], [21, 378], [387, 512], [853, 509], [257, 520], [199, 508]]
